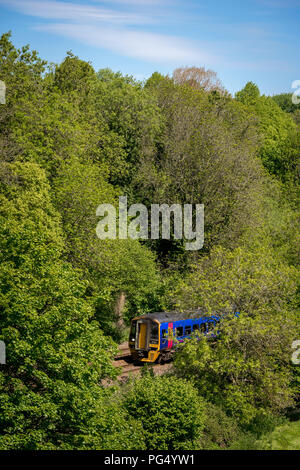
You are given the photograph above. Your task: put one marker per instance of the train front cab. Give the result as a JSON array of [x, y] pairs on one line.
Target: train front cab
[[144, 339]]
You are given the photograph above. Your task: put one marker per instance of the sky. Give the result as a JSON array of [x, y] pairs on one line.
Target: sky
[[241, 40]]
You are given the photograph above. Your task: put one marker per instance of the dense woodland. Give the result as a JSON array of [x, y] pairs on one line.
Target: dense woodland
[[72, 138]]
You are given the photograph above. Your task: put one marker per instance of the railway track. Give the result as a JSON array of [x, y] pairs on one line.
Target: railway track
[[124, 361]]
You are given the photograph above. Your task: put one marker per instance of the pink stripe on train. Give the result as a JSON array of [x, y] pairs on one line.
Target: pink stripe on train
[[170, 338]]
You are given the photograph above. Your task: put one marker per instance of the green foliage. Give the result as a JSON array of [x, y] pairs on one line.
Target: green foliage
[[205, 154], [156, 80], [276, 128], [50, 394], [296, 116], [127, 267], [220, 430], [75, 127], [239, 280], [73, 74], [279, 219], [286, 437], [21, 71], [247, 371], [170, 410], [132, 117], [249, 94], [112, 266], [71, 139], [284, 101]]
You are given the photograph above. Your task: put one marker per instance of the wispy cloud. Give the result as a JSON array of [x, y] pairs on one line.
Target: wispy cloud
[[119, 30], [143, 30], [137, 44], [137, 2], [73, 11]]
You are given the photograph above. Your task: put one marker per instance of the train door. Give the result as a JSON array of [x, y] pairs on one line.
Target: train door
[[167, 336]]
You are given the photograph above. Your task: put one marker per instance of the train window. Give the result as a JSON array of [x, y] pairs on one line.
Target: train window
[[203, 327], [154, 333], [179, 331], [187, 330], [164, 333], [195, 327]]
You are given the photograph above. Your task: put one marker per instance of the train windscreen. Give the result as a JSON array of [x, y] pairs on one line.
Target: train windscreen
[[154, 333], [132, 331]]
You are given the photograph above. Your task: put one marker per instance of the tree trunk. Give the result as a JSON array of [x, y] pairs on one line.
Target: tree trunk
[[119, 311]]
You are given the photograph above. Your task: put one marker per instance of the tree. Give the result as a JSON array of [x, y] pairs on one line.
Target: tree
[[21, 71], [199, 78], [166, 427], [277, 130], [247, 371], [112, 266], [220, 430], [206, 154], [56, 353], [249, 94], [285, 102], [71, 139], [252, 281], [132, 119], [74, 74]]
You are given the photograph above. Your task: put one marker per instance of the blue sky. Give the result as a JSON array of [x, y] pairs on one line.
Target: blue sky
[[241, 40]]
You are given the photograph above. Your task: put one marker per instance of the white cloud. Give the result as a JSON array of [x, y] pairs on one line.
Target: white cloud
[[137, 44], [137, 2], [73, 11], [113, 30]]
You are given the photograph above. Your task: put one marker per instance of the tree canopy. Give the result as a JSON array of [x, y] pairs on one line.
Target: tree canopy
[[72, 138]]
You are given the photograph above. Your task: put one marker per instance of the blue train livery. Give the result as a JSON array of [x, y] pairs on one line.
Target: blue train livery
[[154, 337]]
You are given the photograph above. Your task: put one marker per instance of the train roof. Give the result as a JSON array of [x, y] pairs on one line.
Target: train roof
[[176, 316]]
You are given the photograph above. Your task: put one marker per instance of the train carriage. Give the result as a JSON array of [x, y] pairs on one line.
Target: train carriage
[[154, 337]]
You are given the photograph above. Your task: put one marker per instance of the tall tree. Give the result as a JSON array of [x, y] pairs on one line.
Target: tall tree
[[199, 78], [56, 354]]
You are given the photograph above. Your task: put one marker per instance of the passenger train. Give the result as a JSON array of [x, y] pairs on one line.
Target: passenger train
[[154, 337]]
